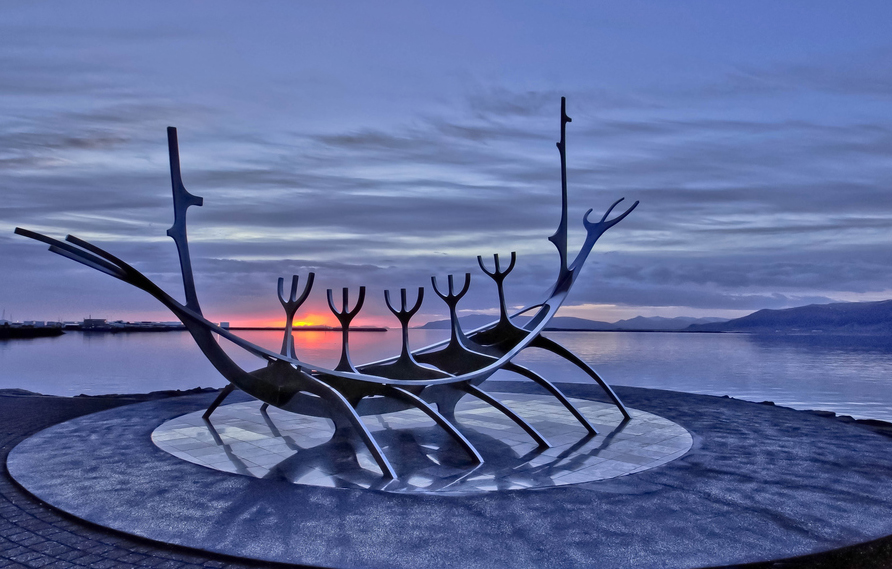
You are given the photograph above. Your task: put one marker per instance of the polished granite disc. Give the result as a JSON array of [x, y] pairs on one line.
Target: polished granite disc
[[244, 439]]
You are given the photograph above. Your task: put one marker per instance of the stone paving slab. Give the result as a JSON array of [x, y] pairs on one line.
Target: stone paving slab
[[33, 534], [761, 482]]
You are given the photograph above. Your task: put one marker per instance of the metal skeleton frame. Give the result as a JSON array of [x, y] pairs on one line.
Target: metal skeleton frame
[[432, 379]]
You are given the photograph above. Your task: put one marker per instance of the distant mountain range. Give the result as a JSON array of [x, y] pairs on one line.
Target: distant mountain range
[[856, 318], [660, 323], [571, 323], [840, 318]]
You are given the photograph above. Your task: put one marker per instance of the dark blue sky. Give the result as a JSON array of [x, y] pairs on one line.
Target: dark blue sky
[[381, 143]]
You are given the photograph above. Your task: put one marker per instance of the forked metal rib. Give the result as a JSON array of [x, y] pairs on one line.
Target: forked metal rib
[[345, 316], [504, 330], [290, 305]]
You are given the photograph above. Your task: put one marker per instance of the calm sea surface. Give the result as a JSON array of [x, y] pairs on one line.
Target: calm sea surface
[[852, 376]]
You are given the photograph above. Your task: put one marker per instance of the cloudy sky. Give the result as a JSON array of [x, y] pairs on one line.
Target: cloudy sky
[[381, 143]]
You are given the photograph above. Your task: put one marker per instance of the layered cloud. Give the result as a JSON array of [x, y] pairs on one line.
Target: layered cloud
[[760, 186]]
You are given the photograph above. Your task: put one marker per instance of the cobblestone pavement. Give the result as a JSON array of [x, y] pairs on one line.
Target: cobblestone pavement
[[35, 535]]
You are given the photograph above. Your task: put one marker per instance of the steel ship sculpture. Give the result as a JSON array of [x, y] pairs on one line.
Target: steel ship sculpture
[[432, 379]]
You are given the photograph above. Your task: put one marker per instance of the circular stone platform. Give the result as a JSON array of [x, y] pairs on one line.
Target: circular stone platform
[[244, 439], [760, 482]]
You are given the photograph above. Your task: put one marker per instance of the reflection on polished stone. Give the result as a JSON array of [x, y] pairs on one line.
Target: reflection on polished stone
[[242, 439]]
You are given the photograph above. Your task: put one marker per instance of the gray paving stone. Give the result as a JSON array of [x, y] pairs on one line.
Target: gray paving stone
[[43, 537], [57, 564], [22, 416]]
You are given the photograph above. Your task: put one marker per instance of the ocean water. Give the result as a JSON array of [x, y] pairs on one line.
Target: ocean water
[[848, 375]]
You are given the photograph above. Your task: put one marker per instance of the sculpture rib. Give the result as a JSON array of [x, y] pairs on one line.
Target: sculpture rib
[[339, 393], [558, 394]]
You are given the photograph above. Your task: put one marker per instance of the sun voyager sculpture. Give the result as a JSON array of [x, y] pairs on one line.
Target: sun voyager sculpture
[[432, 379]]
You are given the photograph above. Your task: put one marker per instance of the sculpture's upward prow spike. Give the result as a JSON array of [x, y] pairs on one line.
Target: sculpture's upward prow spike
[[560, 236], [181, 202]]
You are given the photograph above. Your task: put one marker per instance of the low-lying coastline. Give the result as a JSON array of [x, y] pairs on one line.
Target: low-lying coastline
[[27, 332]]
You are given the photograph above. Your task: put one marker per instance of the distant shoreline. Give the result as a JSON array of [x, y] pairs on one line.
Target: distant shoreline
[[32, 333], [27, 333], [128, 330]]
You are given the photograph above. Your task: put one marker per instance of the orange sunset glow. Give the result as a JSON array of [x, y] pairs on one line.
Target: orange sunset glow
[[302, 320]]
